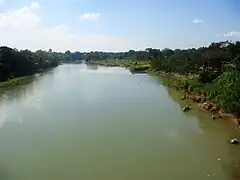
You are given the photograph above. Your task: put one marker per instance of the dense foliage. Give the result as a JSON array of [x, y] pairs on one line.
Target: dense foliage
[[14, 63], [217, 57]]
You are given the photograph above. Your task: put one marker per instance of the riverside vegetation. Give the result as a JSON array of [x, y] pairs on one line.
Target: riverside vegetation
[[210, 73], [16, 65]]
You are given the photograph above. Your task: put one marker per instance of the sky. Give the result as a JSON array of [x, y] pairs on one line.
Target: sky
[[117, 25]]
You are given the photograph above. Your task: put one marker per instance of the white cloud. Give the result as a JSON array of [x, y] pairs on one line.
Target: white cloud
[[197, 21], [90, 16], [23, 18], [22, 29], [232, 34]]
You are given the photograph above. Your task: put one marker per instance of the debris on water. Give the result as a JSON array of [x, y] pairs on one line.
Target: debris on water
[[208, 174], [219, 159], [213, 174], [183, 97], [186, 108], [234, 141], [213, 117]]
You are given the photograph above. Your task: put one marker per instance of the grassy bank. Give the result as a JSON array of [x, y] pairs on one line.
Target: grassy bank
[[223, 90], [14, 82], [23, 79], [220, 95]]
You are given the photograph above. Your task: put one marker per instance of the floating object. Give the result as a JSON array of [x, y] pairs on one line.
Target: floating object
[[186, 108], [219, 159], [234, 141], [183, 97], [213, 117]]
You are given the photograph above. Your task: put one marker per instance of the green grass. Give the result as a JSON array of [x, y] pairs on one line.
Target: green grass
[[14, 81]]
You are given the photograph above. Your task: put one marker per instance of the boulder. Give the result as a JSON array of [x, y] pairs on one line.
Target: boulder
[[183, 97], [207, 106], [192, 98], [214, 109], [198, 99]]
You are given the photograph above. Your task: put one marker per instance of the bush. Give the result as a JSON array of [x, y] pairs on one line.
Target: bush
[[223, 90], [227, 91], [195, 86], [207, 77]]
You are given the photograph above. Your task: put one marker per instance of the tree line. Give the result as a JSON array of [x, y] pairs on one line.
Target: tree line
[[217, 66], [217, 57], [14, 63]]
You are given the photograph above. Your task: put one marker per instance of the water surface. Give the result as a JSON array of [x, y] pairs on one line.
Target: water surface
[[98, 123]]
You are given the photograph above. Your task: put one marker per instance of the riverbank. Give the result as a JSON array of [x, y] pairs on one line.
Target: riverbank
[[203, 101], [21, 80], [188, 85], [14, 82]]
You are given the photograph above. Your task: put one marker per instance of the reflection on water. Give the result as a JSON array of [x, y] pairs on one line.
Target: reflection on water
[[16, 99], [103, 70], [92, 67]]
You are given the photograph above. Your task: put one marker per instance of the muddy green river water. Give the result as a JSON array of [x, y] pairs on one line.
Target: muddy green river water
[[79, 122]]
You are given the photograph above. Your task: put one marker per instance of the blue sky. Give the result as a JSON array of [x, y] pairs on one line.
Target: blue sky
[[106, 25]]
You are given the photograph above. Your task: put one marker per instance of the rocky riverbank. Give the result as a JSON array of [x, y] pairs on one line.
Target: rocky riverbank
[[206, 105], [203, 101]]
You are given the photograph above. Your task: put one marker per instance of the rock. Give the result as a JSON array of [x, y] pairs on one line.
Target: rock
[[186, 108], [183, 97], [203, 105], [203, 100], [207, 106], [234, 141], [192, 98], [214, 109], [198, 99]]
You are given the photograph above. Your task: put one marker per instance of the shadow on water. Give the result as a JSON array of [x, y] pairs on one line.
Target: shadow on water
[[15, 91], [25, 96], [92, 67], [27, 84], [23, 82]]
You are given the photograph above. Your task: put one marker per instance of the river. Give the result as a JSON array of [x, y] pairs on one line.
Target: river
[[103, 123]]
